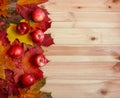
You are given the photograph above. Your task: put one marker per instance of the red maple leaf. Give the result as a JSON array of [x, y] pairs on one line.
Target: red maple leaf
[[26, 10], [28, 66], [48, 40], [12, 87], [44, 25], [3, 34], [3, 38]]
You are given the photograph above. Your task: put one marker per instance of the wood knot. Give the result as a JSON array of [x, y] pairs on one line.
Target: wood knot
[[104, 92], [114, 1], [118, 58], [116, 67], [79, 7], [109, 7], [93, 38]]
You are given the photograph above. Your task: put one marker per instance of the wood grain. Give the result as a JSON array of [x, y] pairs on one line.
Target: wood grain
[[85, 60], [83, 36], [83, 5]]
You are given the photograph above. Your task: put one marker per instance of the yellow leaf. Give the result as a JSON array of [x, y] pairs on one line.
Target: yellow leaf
[[12, 35], [22, 2]]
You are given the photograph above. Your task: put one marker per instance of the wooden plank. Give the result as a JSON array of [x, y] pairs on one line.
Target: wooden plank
[[91, 89], [84, 79], [85, 36], [76, 71], [83, 58], [79, 50], [85, 16], [85, 24], [83, 5], [84, 63]]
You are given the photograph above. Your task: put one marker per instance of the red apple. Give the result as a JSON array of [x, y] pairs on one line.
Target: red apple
[[38, 15], [39, 60], [22, 28], [37, 36], [16, 51], [28, 80]]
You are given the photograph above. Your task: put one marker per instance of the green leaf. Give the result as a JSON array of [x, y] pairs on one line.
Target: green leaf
[[39, 84], [46, 95]]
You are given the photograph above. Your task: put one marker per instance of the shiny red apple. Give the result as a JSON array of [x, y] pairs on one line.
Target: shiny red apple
[[38, 15], [37, 36], [28, 80], [16, 51], [22, 28], [39, 60]]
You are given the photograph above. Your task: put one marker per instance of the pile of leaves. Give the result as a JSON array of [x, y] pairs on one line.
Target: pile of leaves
[[13, 12]]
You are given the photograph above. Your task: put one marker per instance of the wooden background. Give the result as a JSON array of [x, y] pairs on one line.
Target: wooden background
[[85, 57]]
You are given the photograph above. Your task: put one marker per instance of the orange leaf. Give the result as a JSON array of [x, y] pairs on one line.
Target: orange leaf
[[23, 2], [3, 8], [5, 63], [34, 91]]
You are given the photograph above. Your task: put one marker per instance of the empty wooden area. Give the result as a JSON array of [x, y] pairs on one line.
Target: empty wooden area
[[84, 62]]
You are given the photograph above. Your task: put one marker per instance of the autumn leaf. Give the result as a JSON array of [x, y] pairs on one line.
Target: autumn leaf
[[46, 95], [38, 85], [4, 14], [3, 38], [12, 87], [5, 63], [2, 48], [4, 7], [43, 25], [48, 40], [7, 86], [3, 34], [23, 2], [28, 66], [34, 91], [26, 10], [12, 35]]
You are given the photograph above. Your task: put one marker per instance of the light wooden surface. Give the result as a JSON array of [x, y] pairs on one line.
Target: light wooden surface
[[86, 55]]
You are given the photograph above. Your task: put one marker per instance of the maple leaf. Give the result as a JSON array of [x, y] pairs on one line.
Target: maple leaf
[[28, 67], [48, 40], [2, 48], [4, 14], [3, 38], [26, 10], [3, 92], [4, 8], [12, 87], [23, 2], [3, 34], [12, 35], [7, 86], [5, 63], [18, 70], [34, 91], [43, 25]]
